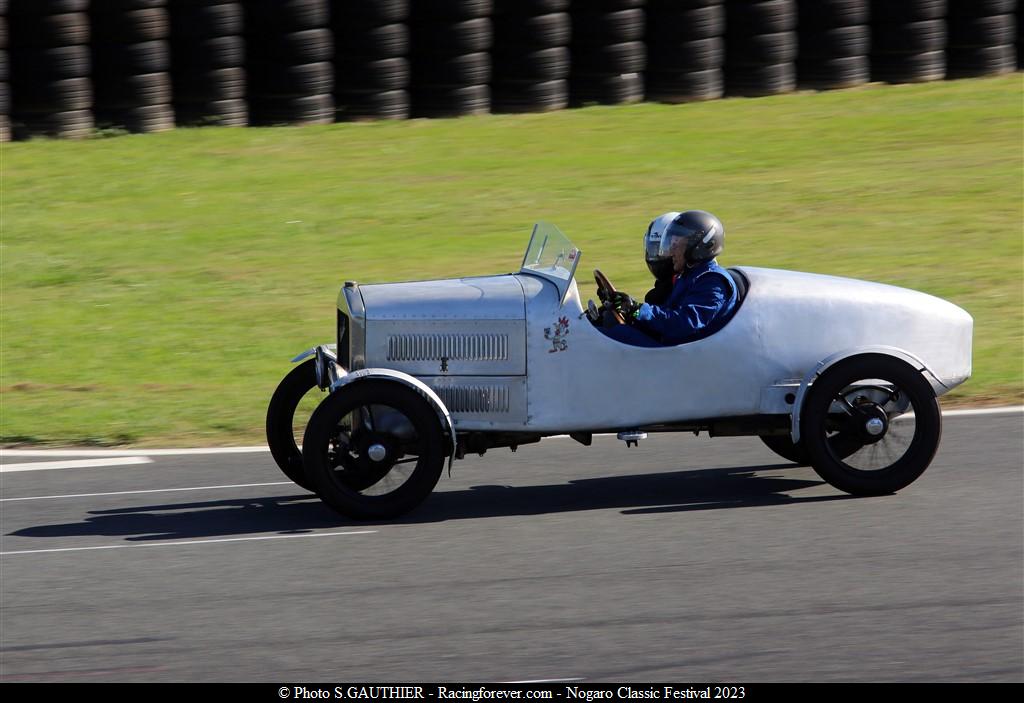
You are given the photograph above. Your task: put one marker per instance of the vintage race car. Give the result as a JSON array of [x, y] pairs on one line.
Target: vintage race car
[[837, 373]]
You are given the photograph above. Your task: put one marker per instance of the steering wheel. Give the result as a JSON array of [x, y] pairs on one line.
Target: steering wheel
[[605, 290]]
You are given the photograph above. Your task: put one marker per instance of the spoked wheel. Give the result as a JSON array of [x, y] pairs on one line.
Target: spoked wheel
[[784, 446], [871, 425], [290, 408], [374, 450]]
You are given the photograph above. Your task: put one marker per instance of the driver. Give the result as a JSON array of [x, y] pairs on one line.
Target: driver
[[702, 294]]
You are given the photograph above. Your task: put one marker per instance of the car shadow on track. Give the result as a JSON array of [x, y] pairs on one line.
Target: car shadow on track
[[676, 491]]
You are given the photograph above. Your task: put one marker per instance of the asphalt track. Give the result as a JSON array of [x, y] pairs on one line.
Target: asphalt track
[[686, 559]]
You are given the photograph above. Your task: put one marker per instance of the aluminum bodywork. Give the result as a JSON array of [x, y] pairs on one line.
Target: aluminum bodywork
[[504, 354]]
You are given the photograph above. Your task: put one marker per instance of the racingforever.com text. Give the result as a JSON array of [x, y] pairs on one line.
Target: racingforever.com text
[[569, 692]]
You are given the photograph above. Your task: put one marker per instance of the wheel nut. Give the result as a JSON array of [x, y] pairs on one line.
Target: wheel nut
[[377, 452], [874, 426]]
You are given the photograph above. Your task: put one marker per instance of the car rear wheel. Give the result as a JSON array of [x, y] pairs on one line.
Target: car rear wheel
[[374, 450], [871, 425]]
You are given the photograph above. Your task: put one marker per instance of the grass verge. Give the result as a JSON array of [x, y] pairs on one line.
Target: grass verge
[[154, 287]]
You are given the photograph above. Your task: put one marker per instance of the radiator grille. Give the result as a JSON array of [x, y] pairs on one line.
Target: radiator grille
[[475, 399], [453, 347]]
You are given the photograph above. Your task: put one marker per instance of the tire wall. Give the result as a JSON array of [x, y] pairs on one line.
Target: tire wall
[[371, 59], [982, 38], [208, 62], [451, 61], [608, 54], [289, 52], [908, 40], [760, 47], [530, 56], [131, 58], [834, 43], [50, 67], [685, 50], [5, 86], [68, 66]]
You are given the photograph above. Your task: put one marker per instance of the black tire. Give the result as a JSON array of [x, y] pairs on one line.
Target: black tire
[[981, 8], [222, 19], [981, 61], [131, 26], [590, 28], [373, 105], [302, 109], [907, 10], [529, 63], [627, 57], [373, 13], [134, 91], [538, 31], [450, 38], [73, 124], [758, 81], [281, 421], [338, 464], [203, 86], [607, 89], [270, 80], [822, 14], [993, 30], [451, 9], [686, 86], [223, 113], [759, 49], [142, 119], [837, 42], [50, 30], [844, 72], [64, 95], [208, 54], [927, 35], [382, 41], [670, 28], [747, 17], [50, 64], [909, 68], [529, 7], [372, 74], [46, 7], [689, 56], [465, 69], [274, 16], [127, 59], [866, 471], [450, 101], [530, 96], [306, 46]]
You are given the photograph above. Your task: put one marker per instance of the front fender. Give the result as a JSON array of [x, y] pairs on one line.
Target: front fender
[[832, 360], [412, 382]]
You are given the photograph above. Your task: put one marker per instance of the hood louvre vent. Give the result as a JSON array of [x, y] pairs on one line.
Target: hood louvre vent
[[453, 347], [475, 399]]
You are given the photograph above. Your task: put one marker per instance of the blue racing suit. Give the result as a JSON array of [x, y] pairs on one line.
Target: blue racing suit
[[700, 302]]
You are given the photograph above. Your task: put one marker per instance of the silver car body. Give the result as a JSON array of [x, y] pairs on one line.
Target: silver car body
[[516, 352]]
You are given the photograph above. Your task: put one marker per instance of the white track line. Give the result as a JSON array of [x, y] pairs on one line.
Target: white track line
[[967, 412], [189, 542], [75, 464], [151, 490]]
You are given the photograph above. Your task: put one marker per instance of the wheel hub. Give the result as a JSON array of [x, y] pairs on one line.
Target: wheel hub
[[871, 421]]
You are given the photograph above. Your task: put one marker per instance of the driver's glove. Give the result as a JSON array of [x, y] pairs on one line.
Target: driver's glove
[[625, 305]]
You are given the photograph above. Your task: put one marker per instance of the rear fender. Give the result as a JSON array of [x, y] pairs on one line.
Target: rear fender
[[392, 376], [832, 360]]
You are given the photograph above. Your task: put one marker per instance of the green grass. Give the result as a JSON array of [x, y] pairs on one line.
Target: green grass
[[154, 287]]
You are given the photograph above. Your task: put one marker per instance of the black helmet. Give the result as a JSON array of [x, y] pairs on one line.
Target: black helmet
[[703, 233], [660, 266]]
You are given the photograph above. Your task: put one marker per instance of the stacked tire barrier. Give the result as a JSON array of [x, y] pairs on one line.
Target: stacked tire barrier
[[208, 62], [608, 52], [50, 90], [685, 50], [371, 65], [5, 87], [982, 36], [288, 50], [131, 59], [531, 55], [908, 40], [761, 47], [834, 42], [451, 61]]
